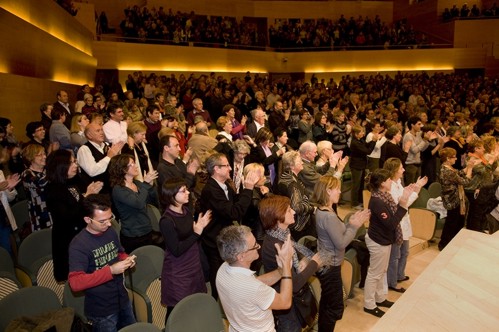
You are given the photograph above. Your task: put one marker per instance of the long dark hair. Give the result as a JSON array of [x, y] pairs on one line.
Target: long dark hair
[[58, 163]]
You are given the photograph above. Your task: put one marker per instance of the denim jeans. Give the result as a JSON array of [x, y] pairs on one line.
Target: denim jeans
[[113, 322], [5, 231], [331, 305]]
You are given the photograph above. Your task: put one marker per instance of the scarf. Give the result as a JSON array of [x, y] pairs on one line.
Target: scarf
[[282, 235]]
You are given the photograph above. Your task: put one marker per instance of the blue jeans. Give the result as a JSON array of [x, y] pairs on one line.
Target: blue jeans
[[5, 231], [113, 322], [398, 261]]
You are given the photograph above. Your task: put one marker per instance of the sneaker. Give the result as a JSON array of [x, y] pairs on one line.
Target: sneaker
[[375, 312]]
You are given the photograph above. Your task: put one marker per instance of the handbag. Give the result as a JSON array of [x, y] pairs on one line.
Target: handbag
[[305, 305]]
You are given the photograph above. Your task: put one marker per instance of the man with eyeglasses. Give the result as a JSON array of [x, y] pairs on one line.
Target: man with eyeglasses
[[97, 262], [227, 207], [248, 300]]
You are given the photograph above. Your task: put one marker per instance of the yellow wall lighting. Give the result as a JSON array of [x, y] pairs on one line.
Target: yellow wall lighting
[[51, 20]]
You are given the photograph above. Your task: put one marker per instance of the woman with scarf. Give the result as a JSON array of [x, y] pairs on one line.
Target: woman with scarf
[[453, 197], [384, 230], [333, 237], [276, 215], [482, 175]]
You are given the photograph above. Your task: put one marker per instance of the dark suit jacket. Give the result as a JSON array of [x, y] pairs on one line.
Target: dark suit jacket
[[69, 116], [224, 211], [251, 129], [389, 150]]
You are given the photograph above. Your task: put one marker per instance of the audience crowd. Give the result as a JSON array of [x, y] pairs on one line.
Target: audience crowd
[[158, 26], [208, 151], [466, 11]]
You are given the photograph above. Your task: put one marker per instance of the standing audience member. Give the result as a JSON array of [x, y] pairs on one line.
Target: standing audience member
[[238, 128], [7, 221], [171, 166], [311, 173], [64, 195], [94, 156], [419, 144], [130, 198], [59, 133], [392, 148], [37, 135], [375, 155], [291, 186], [321, 129], [97, 265], [264, 154], [219, 196], [457, 142], [46, 115], [429, 157], [341, 133], [276, 216], [359, 150], [247, 300], [154, 124], [63, 105], [400, 249], [453, 196], [78, 125], [333, 237], [182, 273], [305, 127], [136, 147], [35, 181], [383, 231], [482, 175], [115, 128]]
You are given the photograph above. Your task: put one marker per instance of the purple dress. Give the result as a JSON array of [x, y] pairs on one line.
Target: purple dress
[[182, 274]]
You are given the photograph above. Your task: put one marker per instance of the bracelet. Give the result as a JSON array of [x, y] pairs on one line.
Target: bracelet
[[286, 277]]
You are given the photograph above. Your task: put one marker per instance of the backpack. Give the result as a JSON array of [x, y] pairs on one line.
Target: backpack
[[486, 199]]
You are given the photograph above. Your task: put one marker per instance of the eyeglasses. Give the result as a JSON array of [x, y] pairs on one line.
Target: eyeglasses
[[227, 165], [102, 222], [40, 129], [255, 247]]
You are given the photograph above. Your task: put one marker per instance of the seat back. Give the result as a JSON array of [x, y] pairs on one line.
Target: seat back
[[140, 327], [158, 311], [366, 197], [154, 216], [75, 300], [145, 281], [45, 278], [35, 247], [8, 284], [6, 263], [424, 223], [201, 306], [435, 190], [422, 199], [149, 265], [27, 302], [21, 213]]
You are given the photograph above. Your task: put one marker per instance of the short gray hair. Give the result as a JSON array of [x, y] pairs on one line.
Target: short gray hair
[[289, 158], [232, 241], [241, 146], [306, 147], [213, 161]]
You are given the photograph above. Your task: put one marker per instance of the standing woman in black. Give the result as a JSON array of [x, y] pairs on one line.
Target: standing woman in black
[[64, 195]]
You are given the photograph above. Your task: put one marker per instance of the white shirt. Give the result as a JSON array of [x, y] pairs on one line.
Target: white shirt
[[87, 161], [376, 153], [115, 131], [245, 299], [405, 223], [5, 197]]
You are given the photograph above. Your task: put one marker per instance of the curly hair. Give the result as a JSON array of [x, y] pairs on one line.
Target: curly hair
[[118, 166]]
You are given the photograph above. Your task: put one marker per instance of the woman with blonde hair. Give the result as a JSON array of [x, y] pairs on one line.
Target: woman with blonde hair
[[136, 148], [78, 124], [260, 191], [333, 237]]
